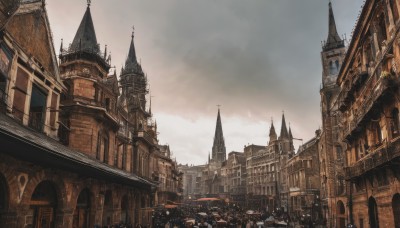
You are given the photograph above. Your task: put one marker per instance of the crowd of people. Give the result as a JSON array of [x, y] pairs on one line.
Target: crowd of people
[[204, 216]]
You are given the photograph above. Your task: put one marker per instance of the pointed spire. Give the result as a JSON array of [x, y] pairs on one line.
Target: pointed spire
[[219, 149], [290, 133], [284, 132], [334, 40], [85, 37], [272, 132], [61, 46], [131, 64]]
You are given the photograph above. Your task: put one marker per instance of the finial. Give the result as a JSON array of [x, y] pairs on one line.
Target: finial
[[219, 106], [133, 31], [272, 119], [61, 46], [89, 2]]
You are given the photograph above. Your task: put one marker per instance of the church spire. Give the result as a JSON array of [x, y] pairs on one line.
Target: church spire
[[218, 149], [131, 64], [85, 37], [284, 132], [272, 133], [334, 40]]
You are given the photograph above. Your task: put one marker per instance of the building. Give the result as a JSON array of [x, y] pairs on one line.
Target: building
[[331, 158], [304, 182], [191, 180], [369, 116], [79, 148], [235, 178], [266, 170]]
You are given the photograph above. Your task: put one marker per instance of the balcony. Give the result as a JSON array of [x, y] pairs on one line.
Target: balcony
[[371, 98], [144, 136], [378, 157]]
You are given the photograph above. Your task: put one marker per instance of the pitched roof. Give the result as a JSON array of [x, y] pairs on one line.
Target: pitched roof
[[333, 41], [85, 37], [40, 149], [131, 64]]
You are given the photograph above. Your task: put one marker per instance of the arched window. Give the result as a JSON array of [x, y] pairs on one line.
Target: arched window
[[82, 210], [341, 214], [394, 123], [396, 210], [373, 213], [44, 204]]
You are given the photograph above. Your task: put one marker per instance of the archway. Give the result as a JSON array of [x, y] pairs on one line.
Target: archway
[[82, 210], [373, 213], [108, 208], [340, 214], [44, 205], [3, 197], [396, 209], [125, 219]]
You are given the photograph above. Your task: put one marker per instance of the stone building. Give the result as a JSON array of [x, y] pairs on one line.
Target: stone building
[[331, 158], [84, 147], [191, 180], [304, 181], [170, 187], [368, 103], [235, 179], [266, 173]]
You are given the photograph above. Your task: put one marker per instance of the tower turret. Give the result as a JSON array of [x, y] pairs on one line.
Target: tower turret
[[218, 149], [272, 133]]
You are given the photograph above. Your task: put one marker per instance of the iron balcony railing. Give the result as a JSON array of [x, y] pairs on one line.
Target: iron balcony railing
[[374, 159]]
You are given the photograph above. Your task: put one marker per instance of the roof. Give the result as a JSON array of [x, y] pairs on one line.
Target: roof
[[85, 37], [35, 147]]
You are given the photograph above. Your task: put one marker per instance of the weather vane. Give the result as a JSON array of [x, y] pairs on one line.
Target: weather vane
[[88, 2], [219, 106]]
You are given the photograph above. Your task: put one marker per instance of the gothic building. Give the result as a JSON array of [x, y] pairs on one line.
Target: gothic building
[[266, 170], [84, 146], [368, 101], [331, 157]]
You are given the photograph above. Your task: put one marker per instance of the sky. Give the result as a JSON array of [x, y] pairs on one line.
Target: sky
[[255, 58]]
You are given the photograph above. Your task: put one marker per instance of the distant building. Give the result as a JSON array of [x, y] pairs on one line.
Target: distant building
[[266, 170], [304, 184]]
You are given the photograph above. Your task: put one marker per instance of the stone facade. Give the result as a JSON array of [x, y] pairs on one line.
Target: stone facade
[[82, 153], [368, 104], [304, 184]]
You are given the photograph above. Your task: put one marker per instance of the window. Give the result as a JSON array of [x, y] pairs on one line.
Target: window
[[37, 109], [394, 123]]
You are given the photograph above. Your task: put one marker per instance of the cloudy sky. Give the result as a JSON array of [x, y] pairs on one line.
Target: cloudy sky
[[256, 58]]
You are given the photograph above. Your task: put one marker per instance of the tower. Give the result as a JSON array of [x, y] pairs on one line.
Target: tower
[[272, 134], [134, 89], [332, 56], [89, 106], [218, 149]]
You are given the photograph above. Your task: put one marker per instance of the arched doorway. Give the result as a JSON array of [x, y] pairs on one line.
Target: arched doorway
[[82, 210], [107, 208], [373, 213], [3, 198], [396, 209], [125, 219], [44, 205], [340, 214]]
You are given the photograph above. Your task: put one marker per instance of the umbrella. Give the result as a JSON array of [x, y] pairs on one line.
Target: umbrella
[[202, 214], [221, 221], [250, 212], [270, 219]]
